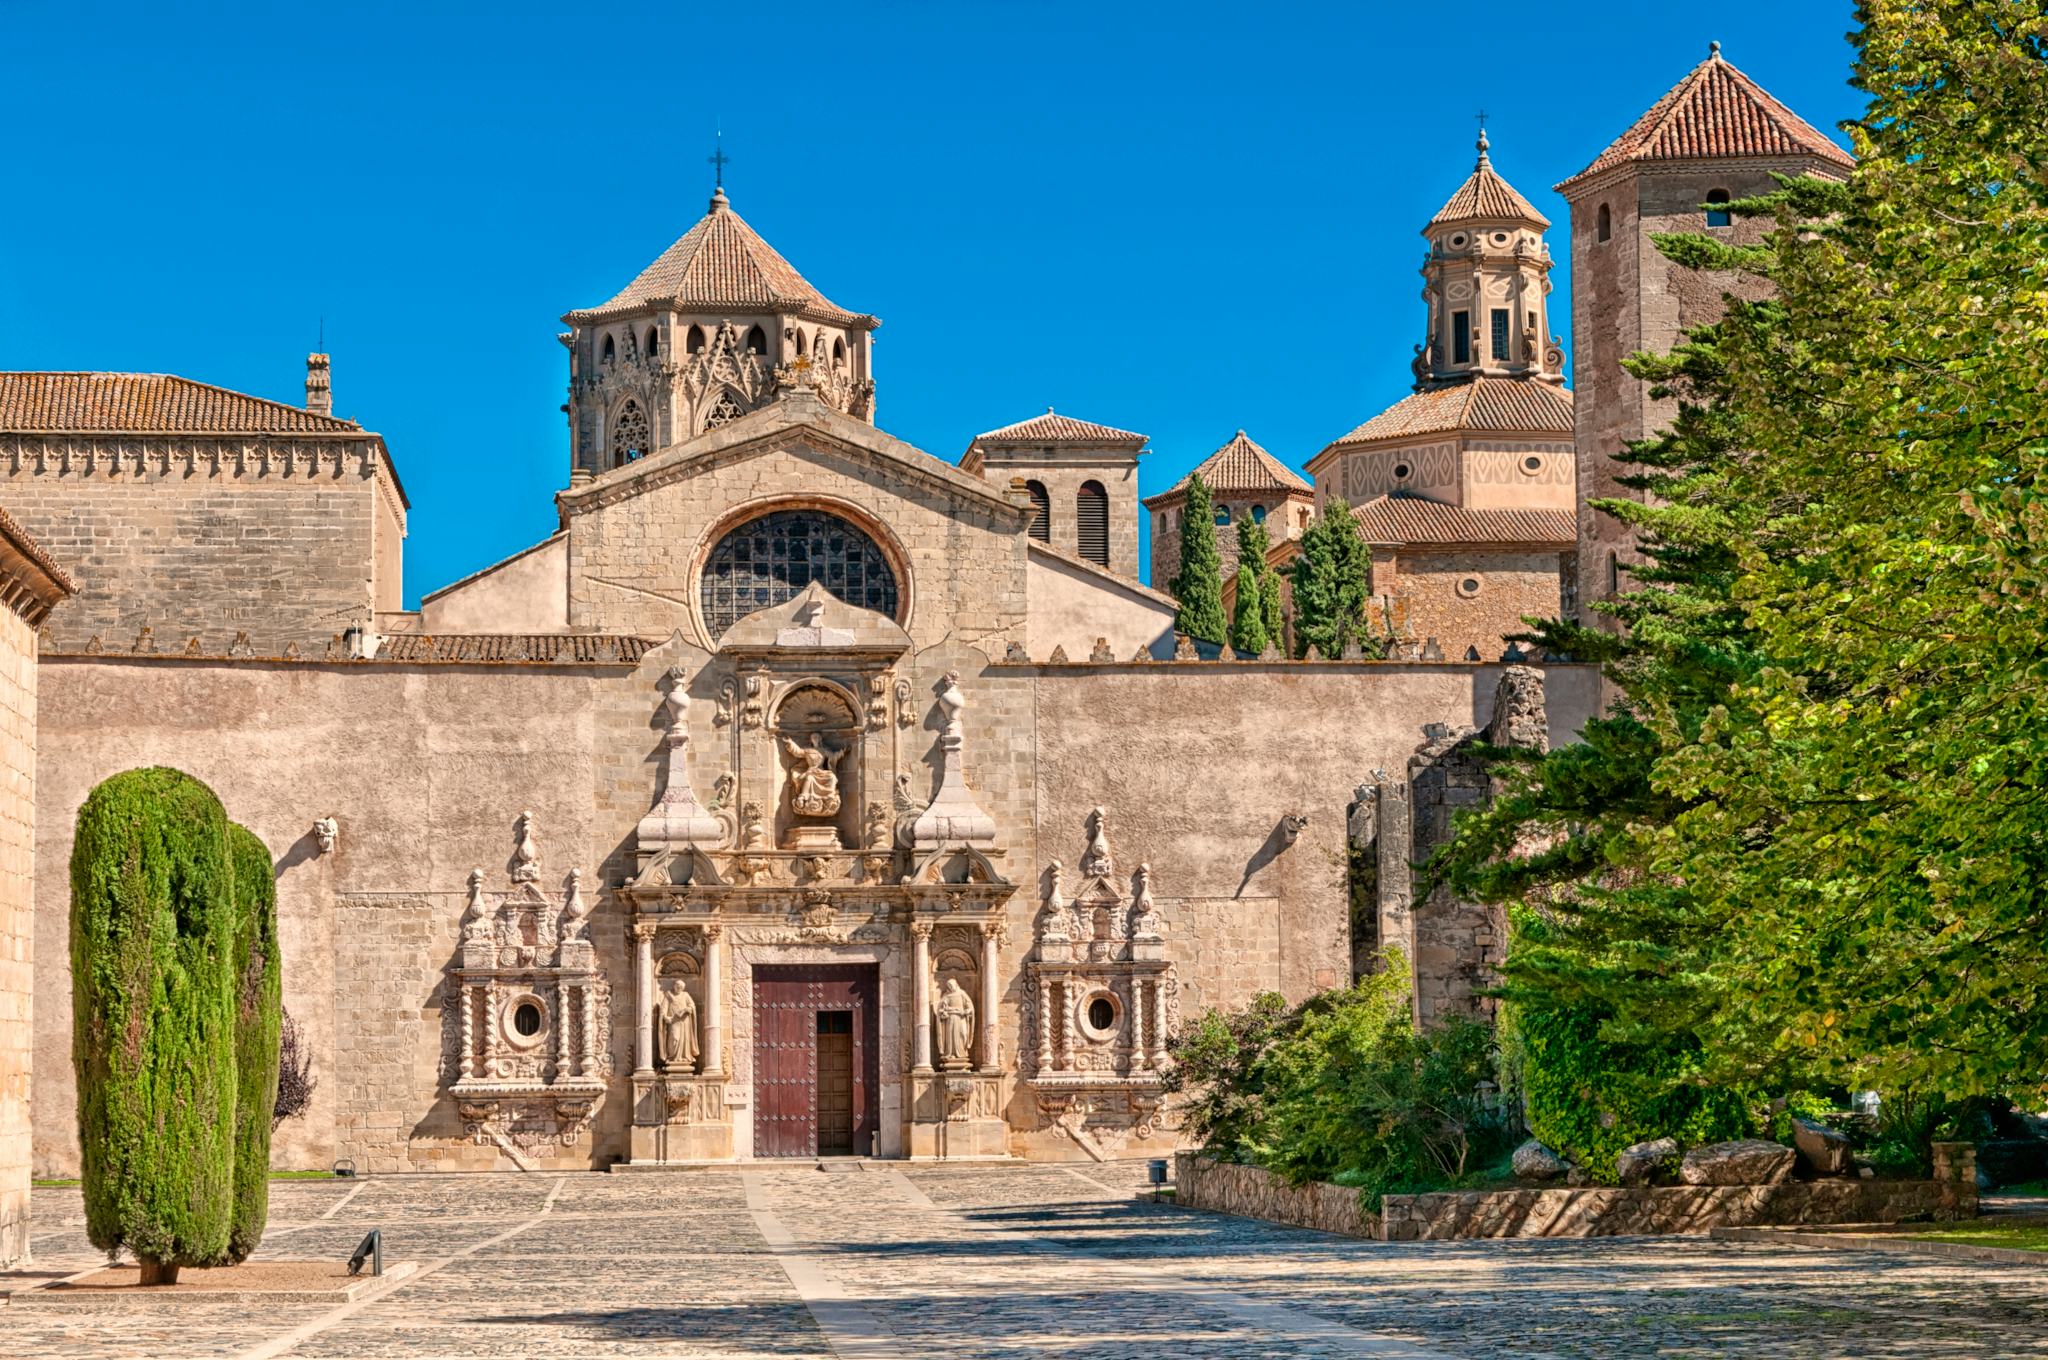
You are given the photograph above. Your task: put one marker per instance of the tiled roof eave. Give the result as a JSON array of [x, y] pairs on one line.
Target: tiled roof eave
[[804, 310], [1601, 176]]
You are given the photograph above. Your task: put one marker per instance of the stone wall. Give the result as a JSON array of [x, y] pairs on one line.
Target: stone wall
[[1253, 1192], [1471, 598], [17, 924], [1601, 1211], [291, 544]]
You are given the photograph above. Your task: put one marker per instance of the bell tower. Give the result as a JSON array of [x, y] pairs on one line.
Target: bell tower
[[1487, 283]]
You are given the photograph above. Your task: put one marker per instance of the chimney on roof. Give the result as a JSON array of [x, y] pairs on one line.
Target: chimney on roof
[[319, 388]]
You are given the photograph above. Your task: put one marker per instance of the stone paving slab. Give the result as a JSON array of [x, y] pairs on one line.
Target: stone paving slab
[[1003, 1262]]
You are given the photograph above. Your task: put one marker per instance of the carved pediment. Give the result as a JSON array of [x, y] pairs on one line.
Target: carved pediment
[[815, 621]]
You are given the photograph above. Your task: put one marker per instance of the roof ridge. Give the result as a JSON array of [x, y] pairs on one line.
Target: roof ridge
[[168, 387]]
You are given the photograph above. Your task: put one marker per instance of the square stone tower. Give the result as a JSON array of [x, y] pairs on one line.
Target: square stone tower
[[1716, 136]]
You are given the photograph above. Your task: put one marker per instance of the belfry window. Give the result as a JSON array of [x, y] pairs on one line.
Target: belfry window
[[1091, 523], [1222, 516], [630, 436], [1718, 216], [1259, 513], [757, 341], [838, 352], [1041, 512], [653, 342], [1461, 337], [769, 560], [1500, 333], [611, 352], [1605, 229], [695, 343]]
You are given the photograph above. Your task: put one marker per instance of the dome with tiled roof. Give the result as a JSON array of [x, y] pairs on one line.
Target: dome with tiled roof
[[724, 265], [1482, 405], [1716, 111], [1486, 197]]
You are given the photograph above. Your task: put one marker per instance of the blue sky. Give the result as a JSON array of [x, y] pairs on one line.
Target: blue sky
[[1181, 219]]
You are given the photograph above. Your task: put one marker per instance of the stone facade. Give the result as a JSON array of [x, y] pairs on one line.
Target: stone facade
[[31, 584]]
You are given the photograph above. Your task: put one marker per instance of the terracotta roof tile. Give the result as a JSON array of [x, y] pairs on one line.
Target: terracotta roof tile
[[1052, 428], [514, 648], [724, 264], [1506, 405], [1240, 467], [147, 403], [1716, 111], [1487, 197], [1405, 519], [24, 543]]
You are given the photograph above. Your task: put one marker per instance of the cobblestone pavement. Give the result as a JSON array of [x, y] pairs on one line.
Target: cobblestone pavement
[[1000, 1262]]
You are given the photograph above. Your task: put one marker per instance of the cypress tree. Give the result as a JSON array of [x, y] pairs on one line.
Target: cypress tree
[[1248, 620], [1332, 583], [259, 1020], [1199, 583], [1269, 601], [153, 1019]]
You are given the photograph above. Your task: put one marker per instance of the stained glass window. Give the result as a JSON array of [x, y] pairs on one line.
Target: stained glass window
[[768, 561]]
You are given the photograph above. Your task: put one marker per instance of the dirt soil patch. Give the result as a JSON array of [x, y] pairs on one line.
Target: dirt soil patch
[[252, 1281]]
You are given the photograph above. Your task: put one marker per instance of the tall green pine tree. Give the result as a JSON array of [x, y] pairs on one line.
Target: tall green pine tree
[[1332, 584], [1199, 583]]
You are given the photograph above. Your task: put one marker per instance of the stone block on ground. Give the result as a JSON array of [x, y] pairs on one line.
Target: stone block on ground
[[1824, 1149], [1535, 1162], [1644, 1163], [1745, 1161]]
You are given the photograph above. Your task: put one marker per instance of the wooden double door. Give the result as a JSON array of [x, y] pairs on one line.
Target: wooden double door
[[815, 1060]]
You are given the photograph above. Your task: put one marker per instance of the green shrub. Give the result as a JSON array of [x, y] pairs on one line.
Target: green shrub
[[1586, 1098], [1218, 1074], [153, 1018], [258, 1021]]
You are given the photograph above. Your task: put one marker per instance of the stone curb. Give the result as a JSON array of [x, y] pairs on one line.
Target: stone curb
[[54, 1293], [1884, 1241]]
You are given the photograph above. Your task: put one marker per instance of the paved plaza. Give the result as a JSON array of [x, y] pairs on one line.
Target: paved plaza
[[928, 1261]]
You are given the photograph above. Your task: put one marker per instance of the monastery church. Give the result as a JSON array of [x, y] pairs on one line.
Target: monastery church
[[807, 793]]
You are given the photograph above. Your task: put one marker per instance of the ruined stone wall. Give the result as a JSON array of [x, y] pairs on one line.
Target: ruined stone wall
[[204, 538], [17, 924]]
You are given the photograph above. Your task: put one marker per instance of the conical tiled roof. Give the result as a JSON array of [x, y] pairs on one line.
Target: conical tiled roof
[[1495, 405], [1486, 197], [722, 264], [1240, 468], [1716, 111], [1053, 428]]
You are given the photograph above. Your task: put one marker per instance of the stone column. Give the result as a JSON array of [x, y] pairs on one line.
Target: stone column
[[921, 996], [643, 999], [714, 1000], [1045, 986], [991, 991], [1141, 1052]]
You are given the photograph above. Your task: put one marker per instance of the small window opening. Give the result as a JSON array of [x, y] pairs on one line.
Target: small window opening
[[1606, 221], [1041, 512], [1259, 513], [1718, 216], [1500, 333], [526, 1019], [757, 341], [1101, 1013], [1222, 515], [1461, 337], [838, 351], [653, 342], [1091, 523], [695, 343], [611, 352]]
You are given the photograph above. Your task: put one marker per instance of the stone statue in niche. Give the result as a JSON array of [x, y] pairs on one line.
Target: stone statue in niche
[[956, 1026], [678, 1030], [813, 784]]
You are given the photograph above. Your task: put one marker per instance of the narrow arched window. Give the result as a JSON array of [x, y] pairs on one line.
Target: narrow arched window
[[838, 352], [1041, 512], [799, 333], [695, 343], [611, 352], [653, 342], [1606, 222], [1259, 513], [1717, 212], [630, 438], [1222, 515], [757, 341], [1091, 523]]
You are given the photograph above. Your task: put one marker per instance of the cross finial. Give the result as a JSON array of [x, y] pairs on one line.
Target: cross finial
[[1482, 136], [718, 160]]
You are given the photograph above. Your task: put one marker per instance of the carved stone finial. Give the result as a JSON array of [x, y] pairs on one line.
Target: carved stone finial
[[953, 818], [1184, 648], [1143, 653], [1053, 925], [1015, 652], [1146, 923], [526, 853], [324, 833], [575, 911], [1101, 651], [476, 920], [1097, 861], [145, 641], [1059, 655]]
